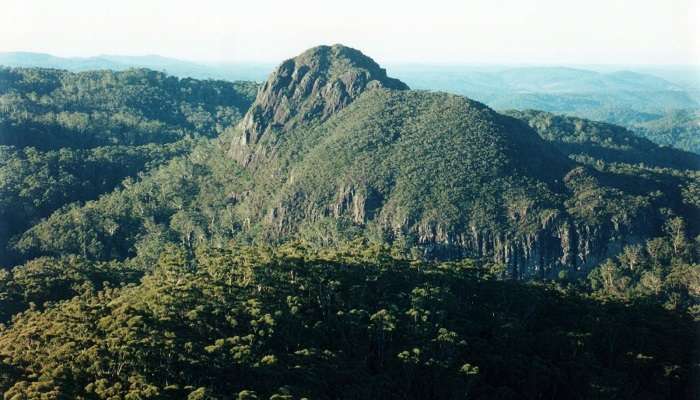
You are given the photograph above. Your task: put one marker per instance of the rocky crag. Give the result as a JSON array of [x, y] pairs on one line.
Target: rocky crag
[[338, 149]]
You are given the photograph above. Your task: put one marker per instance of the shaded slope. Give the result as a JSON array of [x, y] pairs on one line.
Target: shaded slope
[[577, 136]]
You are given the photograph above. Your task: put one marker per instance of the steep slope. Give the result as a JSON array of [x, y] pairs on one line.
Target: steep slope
[[310, 87], [398, 161]]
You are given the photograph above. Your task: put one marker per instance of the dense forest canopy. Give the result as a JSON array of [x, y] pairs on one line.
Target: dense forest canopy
[[67, 137], [333, 234], [292, 323], [49, 109]]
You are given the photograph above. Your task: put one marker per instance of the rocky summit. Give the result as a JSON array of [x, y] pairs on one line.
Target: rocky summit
[[309, 87]]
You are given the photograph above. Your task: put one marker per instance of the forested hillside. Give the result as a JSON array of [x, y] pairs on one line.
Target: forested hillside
[[71, 137], [48, 109], [335, 234]]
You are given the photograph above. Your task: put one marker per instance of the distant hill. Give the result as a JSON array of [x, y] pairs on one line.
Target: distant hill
[[555, 89], [180, 68]]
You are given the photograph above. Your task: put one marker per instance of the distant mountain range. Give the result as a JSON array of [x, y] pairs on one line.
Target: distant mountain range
[[449, 78], [180, 68], [557, 89]]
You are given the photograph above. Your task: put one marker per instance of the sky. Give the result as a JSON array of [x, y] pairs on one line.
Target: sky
[[629, 32]]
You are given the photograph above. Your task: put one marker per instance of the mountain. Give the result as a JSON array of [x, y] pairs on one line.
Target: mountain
[[312, 86], [332, 149], [337, 235], [172, 66], [440, 174]]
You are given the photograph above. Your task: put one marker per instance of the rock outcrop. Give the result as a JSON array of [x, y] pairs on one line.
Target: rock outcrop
[[310, 87]]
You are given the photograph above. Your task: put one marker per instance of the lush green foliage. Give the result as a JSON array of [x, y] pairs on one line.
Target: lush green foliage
[[49, 109], [64, 115], [165, 288], [33, 184], [251, 323], [185, 201], [664, 270]]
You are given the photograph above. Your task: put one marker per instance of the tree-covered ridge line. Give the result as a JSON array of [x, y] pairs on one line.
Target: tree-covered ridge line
[[250, 322], [34, 183], [49, 109], [70, 137]]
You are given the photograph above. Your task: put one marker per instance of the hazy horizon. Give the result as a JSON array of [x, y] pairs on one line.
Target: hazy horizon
[[272, 64], [505, 32]]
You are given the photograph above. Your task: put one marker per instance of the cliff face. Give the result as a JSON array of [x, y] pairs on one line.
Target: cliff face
[[337, 149], [310, 87]]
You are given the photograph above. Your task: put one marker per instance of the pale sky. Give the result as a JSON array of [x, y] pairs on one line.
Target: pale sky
[[433, 31]]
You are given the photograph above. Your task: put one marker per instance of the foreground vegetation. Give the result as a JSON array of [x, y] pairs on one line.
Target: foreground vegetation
[[245, 322]]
